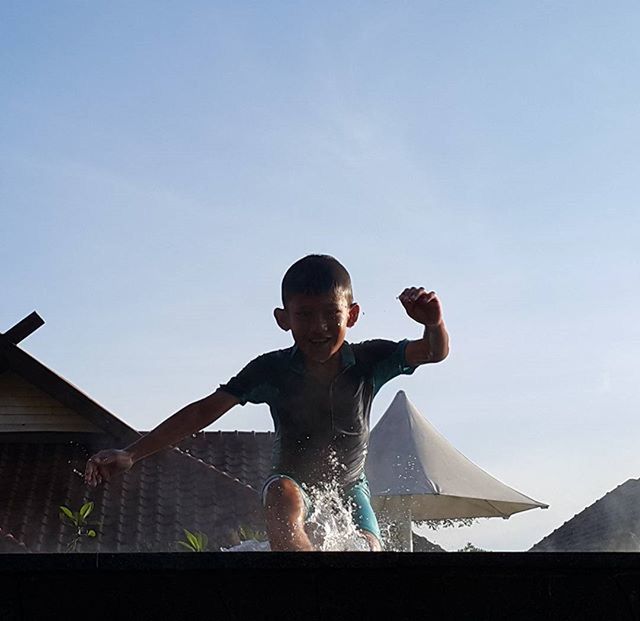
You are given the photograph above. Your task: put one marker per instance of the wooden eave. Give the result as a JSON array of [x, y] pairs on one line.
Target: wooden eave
[[15, 359]]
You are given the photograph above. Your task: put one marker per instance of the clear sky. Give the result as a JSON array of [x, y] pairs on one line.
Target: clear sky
[[163, 163]]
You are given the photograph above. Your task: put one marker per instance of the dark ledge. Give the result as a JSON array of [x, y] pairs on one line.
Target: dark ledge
[[323, 586]]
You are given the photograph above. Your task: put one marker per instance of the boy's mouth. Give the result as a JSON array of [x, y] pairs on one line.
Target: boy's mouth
[[322, 341]]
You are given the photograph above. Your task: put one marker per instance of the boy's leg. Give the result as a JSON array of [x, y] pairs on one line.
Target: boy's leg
[[363, 516], [372, 540], [285, 513]]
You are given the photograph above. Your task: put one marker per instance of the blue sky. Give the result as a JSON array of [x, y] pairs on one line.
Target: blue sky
[[162, 164]]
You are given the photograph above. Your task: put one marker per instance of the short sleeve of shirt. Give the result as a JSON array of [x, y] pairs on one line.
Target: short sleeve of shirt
[[252, 383], [387, 360]]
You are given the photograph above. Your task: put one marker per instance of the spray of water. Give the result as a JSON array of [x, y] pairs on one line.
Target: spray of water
[[331, 522]]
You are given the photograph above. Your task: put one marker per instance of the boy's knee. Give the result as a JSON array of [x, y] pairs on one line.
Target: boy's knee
[[281, 493], [285, 514]]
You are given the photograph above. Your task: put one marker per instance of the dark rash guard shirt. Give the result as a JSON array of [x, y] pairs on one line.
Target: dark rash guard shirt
[[321, 430]]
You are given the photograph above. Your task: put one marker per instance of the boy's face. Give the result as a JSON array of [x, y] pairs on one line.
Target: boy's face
[[318, 323]]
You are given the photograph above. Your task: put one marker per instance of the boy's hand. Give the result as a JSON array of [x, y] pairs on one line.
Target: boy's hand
[[105, 464], [423, 307]]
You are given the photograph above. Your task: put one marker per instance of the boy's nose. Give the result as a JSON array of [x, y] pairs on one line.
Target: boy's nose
[[319, 324]]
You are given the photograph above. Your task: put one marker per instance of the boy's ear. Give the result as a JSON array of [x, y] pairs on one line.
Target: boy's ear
[[354, 313], [282, 318]]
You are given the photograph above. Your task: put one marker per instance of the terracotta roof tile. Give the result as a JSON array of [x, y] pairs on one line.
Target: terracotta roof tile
[[145, 510], [9, 544], [244, 455]]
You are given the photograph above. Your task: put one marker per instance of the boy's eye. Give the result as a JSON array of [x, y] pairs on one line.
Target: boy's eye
[[332, 315]]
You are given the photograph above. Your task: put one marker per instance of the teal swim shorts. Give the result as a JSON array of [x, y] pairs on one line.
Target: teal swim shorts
[[357, 495]]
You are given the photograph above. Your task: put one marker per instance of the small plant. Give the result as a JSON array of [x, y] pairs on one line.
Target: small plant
[[78, 520], [196, 542], [245, 533]]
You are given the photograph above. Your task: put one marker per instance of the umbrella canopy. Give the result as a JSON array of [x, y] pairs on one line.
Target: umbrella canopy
[[415, 472]]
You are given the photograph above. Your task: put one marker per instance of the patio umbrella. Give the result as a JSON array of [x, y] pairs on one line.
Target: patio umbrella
[[415, 474]]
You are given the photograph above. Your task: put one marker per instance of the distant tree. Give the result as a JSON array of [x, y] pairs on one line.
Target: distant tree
[[447, 523]]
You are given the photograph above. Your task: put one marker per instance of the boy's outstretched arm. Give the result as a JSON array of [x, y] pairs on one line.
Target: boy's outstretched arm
[[191, 418], [425, 308]]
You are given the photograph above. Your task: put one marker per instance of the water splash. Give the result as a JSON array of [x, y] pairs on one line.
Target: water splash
[[331, 524], [249, 545]]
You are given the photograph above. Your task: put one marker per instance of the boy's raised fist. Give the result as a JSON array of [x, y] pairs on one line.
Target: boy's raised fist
[[422, 306]]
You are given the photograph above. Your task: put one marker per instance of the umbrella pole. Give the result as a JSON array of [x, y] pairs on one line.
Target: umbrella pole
[[398, 518], [407, 538]]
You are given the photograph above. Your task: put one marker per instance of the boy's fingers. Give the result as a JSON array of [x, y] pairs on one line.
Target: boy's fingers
[[95, 472], [92, 476], [88, 472], [413, 293], [407, 293], [418, 293]]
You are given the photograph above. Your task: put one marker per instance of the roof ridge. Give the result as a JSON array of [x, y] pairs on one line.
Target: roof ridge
[[215, 469]]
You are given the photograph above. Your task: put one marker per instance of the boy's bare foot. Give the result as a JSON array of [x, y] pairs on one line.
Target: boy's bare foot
[[372, 541]]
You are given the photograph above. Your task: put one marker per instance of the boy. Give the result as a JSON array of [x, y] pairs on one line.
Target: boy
[[319, 392]]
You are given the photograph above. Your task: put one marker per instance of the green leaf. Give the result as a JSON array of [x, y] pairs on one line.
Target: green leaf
[[204, 541], [67, 512], [91, 533], [86, 509], [186, 545], [192, 539]]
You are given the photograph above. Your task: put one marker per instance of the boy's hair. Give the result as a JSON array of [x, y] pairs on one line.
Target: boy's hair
[[316, 274]]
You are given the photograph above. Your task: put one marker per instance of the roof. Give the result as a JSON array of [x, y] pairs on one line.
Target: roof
[[611, 524], [245, 455], [9, 544], [212, 488], [422, 544], [13, 358], [144, 510]]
